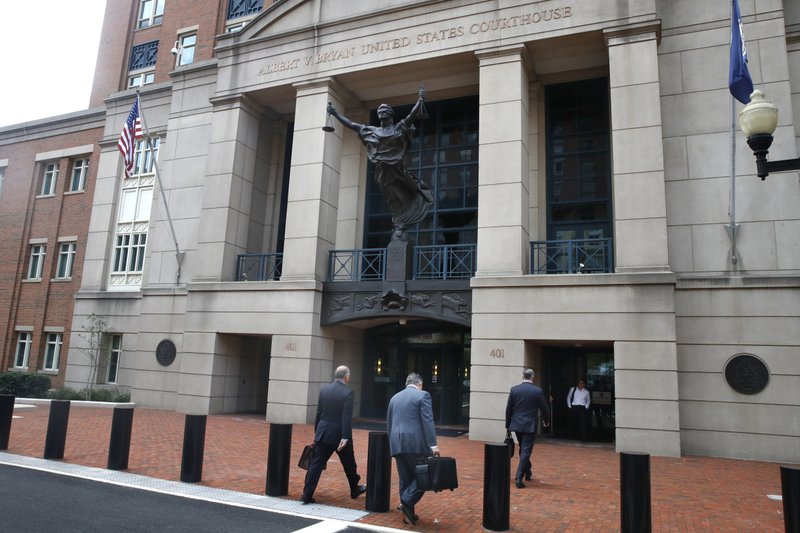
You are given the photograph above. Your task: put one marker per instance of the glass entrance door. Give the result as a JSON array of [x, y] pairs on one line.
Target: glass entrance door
[[441, 357], [563, 366]]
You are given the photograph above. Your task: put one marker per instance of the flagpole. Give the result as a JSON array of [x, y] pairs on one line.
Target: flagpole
[[178, 254], [733, 228]]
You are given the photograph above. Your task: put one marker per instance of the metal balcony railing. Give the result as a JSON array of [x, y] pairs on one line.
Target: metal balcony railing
[[366, 264], [258, 267], [455, 261], [579, 256]]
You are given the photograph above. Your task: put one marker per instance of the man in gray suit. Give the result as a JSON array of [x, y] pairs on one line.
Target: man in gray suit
[[412, 436], [522, 411], [333, 433]]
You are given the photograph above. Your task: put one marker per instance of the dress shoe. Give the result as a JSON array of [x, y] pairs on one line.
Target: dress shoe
[[306, 499], [400, 508], [528, 476], [520, 484], [358, 491], [408, 515]]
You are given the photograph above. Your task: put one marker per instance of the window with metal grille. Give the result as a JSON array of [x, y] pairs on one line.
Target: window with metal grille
[[242, 8], [143, 55]]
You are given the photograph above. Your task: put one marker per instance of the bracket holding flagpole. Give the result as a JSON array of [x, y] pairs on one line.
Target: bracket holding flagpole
[[179, 255]]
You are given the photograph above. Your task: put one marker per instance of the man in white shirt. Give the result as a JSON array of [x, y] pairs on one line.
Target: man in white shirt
[[578, 401]]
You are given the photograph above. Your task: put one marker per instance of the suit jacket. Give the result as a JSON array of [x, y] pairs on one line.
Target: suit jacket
[[334, 414], [409, 422], [522, 410]]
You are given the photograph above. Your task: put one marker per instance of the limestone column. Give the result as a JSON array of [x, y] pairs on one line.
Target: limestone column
[[311, 207], [503, 196], [640, 213], [225, 210]]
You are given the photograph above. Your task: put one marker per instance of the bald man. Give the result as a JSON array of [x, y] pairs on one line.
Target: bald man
[[333, 433]]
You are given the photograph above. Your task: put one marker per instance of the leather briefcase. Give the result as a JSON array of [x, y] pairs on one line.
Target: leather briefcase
[[436, 474], [305, 457]]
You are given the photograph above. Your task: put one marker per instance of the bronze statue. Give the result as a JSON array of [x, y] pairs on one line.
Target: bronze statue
[[408, 197]]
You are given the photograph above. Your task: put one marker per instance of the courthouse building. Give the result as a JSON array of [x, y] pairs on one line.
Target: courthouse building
[[585, 222]]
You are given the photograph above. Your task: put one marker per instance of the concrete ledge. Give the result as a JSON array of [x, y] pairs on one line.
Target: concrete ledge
[[20, 402]]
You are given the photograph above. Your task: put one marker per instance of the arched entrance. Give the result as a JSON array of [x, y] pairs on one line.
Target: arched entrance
[[439, 352]]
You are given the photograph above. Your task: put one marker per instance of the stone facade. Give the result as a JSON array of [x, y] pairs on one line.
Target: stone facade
[[674, 310]]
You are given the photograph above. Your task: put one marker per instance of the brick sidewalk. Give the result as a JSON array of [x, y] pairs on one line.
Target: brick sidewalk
[[575, 488]]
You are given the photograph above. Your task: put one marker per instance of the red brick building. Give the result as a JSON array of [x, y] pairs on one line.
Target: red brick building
[[48, 169]]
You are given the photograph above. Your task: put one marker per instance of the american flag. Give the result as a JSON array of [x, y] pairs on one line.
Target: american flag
[[131, 131]]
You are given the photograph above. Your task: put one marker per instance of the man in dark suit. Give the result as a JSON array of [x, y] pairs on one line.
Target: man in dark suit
[[412, 435], [522, 413], [333, 433]]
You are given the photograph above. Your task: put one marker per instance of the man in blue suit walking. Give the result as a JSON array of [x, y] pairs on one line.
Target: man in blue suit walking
[[522, 414], [412, 435], [333, 433]]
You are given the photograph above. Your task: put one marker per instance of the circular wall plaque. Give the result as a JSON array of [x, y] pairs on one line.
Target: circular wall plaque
[[746, 373], [165, 352]]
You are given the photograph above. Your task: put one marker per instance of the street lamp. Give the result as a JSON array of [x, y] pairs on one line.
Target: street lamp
[[758, 120]]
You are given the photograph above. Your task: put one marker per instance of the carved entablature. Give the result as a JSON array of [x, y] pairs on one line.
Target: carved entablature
[[448, 301]]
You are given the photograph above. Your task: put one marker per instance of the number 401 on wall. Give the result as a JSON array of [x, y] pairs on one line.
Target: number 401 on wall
[[497, 352]]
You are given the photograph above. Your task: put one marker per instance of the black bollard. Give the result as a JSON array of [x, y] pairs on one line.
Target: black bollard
[[194, 442], [278, 456], [6, 414], [379, 472], [496, 487], [119, 445], [635, 492], [56, 429], [790, 487]]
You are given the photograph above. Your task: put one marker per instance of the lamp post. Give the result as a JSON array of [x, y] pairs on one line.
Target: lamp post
[[758, 121]]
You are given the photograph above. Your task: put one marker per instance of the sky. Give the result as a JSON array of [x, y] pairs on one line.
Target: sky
[[48, 56]]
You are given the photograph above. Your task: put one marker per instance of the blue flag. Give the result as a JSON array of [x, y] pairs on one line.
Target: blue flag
[[739, 81]]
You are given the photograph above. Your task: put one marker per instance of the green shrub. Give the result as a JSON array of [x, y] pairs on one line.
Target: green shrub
[[24, 384], [65, 393]]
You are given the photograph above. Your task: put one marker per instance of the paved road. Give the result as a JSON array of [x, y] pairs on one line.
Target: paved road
[[36, 501]]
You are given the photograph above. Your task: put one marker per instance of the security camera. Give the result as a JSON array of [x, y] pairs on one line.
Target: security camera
[[175, 48]]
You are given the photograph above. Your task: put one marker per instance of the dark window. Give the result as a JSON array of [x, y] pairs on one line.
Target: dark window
[[578, 161], [444, 154], [144, 55], [242, 8]]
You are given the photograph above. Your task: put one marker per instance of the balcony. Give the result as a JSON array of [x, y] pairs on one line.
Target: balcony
[[429, 262], [259, 267], [579, 256], [444, 262]]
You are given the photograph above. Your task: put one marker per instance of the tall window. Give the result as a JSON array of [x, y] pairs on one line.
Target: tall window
[[66, 260], [133, 219], [151, 12], [79, 169], [52, 351], [444, 154], [23, 350], [578, 161], [186, 46], [36, 263], [114, 352], [49, 179]]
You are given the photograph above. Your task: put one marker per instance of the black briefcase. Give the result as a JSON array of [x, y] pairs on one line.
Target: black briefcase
[[436, 474]]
